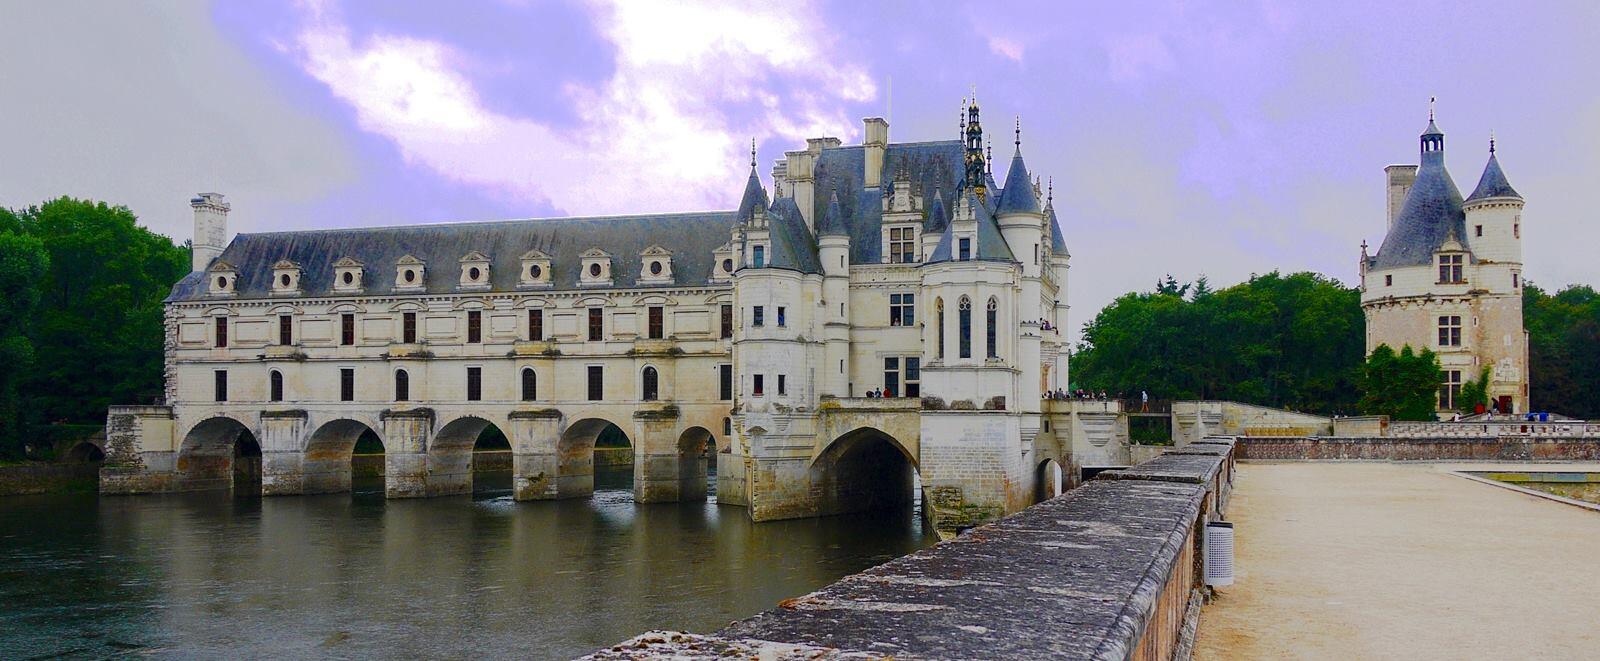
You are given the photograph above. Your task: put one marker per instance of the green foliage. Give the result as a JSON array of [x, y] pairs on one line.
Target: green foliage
[[1403, 386], [23, 262], [1474, 394], [1290, 341], [95, 322], [1563, 349]]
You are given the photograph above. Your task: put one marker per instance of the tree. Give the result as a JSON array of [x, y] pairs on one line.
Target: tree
[[1287, 341], [1474, 394], [23, 262], [1563, 349], [97, 329], [1403, 386]]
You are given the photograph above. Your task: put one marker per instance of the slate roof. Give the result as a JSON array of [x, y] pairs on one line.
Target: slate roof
[[754, 195], [793, 247], [1493, 182], [937, 218], [691, 237], [991, 243], [1058, 241], [832, 223], [1017, 197], [839, 170], [1431, 213]]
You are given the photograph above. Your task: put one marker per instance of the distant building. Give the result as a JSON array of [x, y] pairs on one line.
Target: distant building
[[1448, 276], [896, 268]]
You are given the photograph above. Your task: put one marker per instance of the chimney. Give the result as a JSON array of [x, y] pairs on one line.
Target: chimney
[[210, 228], [876, 142], [1400, 179]]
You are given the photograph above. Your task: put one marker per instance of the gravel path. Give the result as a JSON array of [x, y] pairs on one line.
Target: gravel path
[[1379, 560]]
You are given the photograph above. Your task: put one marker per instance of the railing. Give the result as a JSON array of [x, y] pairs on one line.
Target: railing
[[1562, 429]]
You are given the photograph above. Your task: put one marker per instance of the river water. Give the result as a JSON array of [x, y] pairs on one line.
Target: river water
[[206, 575]]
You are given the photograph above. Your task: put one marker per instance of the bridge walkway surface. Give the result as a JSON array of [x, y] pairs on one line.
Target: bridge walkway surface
[[1382, 560]]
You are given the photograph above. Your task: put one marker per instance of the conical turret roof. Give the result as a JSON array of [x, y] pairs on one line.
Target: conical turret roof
[[833, 223], [1017, 196], [754, 195], [1493, 182]]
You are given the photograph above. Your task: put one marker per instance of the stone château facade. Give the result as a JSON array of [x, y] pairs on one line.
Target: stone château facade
[[1448, 276], [750, 335]]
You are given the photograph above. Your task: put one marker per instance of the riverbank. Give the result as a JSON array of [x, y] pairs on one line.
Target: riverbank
[[30, 477], [1386, 560]]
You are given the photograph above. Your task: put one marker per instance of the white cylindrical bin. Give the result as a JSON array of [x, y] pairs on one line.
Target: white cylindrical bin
[[1219, 553]]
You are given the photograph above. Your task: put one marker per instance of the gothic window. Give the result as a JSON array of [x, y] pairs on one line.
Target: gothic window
[[408, 328], [402, 386], [347, 385], [596, 324], [965, 252], [474, 384], [1450, 268], [474, 326], [650, 386], [536, 325], [964, 320], [275, 386], [530, 384], [220, 385], [1450, 389], [222, 332], [656, 324], [902, 245], [727, 320], [597, 383], [1450, 330], [285, 330], [347, 329], [902, 309], [991, 334], [938, 306]]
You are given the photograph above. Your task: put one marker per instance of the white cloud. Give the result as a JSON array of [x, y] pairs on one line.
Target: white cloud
[[654, 136], [1010, 49]]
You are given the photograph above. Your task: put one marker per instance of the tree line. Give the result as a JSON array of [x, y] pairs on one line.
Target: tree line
[[81, 286], [1297, 341]]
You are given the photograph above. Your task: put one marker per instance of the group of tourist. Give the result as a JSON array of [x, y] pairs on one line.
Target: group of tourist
[[1077, 394], [878, 393]]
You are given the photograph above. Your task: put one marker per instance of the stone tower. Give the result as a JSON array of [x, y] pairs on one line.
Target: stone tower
[[210, 228]]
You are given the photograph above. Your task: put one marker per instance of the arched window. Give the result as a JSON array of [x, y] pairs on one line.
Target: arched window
[[989, 322], [275, 379], [651, 385], [938, 308], [402, 386], [530, 384], [964, 318]]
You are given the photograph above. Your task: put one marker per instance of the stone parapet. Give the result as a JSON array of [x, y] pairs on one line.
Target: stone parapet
[[1486, 448]]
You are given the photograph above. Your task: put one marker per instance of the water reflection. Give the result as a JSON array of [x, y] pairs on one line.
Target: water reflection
[[343, 575]]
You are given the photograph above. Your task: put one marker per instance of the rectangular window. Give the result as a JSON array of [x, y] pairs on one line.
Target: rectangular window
[[596, 324], [902, 309], [474, 326], [347, 384], [597, 383], [1450, 268], [285, 330], [536, 325], [657, 323], [760, 258], [408, 328], [474, 384], [1388, 281], [913, 376], [783, 387], [1516, 280], [727, 320], [1450, 389], [347, 329], [1450, 330], [758, 385], [1478, 229], [902, 376], [966, 249], [891, 376], [902, 245], [220, 381], [782, 317], [725, 375], [222, 332], [758, 317]]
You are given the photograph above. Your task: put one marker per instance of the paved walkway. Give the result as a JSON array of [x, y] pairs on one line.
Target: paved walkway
[[1379, 560]]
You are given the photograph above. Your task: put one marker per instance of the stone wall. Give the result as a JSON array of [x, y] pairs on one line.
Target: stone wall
[[1488, 448], [48, 478], [1194, 420]]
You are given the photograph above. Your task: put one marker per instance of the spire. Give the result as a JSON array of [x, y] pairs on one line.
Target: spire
[[1432, 140], [754, 194], [1050, 194], [1493, 182], [833, 219], [1018, 195], [974, 159]]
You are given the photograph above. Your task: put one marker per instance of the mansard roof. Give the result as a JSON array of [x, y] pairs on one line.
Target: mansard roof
[[692, 237], [1493, 182], [839, 170]]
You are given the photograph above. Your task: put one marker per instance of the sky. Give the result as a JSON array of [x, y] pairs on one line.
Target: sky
[[1214, 138]]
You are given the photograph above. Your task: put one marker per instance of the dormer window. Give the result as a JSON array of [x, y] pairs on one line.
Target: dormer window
[[964, 252], [901, 244], [758, 255], [722, 263], [285, 278], [596, 268], [1451, 268], [655, 265], [474, 271], [347, 275], [222, 279], [535, 269], [408, 273]]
